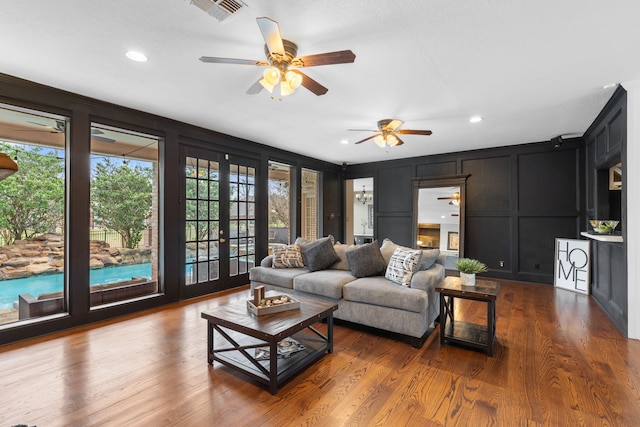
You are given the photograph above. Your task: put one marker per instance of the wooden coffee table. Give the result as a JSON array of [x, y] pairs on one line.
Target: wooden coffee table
[[462, 333], [234, 334]]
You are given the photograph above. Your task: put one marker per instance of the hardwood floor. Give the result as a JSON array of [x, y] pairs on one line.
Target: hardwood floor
[[559, 362]]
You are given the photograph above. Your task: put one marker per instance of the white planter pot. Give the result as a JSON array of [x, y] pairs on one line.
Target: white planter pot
[[468, 279]]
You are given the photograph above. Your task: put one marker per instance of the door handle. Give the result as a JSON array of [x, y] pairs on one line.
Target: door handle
[[222, 240]]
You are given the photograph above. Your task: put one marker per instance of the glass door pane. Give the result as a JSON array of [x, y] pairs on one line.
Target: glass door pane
[[202, 220]]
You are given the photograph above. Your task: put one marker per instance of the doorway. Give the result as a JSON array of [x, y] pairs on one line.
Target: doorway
[[218, 211]]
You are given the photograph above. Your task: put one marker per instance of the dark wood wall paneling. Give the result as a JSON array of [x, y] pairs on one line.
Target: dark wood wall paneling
[[519, 199], [606, 141], [82, 111]]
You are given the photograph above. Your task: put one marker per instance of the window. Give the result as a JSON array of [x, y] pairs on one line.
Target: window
[[310, 201], [32, 215], [279, 205], [124, 215]]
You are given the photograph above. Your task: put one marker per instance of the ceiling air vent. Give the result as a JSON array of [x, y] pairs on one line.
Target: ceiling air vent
[[219, 9]]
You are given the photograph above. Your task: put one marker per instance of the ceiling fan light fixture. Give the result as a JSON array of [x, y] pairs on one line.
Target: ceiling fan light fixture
[[272, 76], [285, 88], [392, 140], [379, 140], [267, 86], [294, 79]]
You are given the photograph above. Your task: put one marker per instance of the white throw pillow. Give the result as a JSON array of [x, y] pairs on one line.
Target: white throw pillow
[[403, 263]]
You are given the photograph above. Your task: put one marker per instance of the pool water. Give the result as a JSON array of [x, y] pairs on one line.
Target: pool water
[[10, 289]]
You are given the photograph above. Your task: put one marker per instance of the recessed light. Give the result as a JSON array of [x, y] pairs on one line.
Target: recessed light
[[476, 119], [609, 86], [136, 56], [344, 141]]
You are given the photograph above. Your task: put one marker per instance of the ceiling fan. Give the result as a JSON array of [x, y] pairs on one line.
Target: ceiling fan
[[61, 126], [387, 133], [454, 199], [282, 72]]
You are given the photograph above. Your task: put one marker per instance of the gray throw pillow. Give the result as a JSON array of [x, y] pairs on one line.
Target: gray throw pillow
[[319, 254], [366, 260], [429, 257]]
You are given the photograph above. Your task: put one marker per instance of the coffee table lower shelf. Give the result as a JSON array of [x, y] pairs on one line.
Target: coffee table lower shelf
[[241, 357]]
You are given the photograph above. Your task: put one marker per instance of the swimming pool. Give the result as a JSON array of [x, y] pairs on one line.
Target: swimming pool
[[10, 289]]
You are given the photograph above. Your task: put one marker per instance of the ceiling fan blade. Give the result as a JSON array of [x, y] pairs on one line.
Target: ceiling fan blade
[[271, 33], [414, 132], [311, 84], [366, 139], [255, 88], [400, 142], [446, 198], [390, 125], [216, 60], [102, 138], [328, 58]]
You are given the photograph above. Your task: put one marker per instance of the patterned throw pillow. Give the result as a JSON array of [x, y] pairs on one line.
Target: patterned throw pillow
[[402, 264], [287, 257]]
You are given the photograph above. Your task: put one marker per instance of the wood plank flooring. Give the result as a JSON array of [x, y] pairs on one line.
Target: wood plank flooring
[[559, 362]]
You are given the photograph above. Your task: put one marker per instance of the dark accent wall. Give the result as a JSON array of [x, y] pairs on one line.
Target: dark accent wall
[[519, 199], [606, 141]]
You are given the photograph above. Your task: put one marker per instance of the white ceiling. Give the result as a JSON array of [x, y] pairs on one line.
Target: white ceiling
[[532, 69]]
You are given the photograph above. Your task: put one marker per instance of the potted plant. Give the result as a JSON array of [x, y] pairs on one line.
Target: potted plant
[[468, 268]]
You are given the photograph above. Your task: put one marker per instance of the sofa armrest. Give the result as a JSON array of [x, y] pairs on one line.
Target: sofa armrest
[[427, 280], [267, 261]]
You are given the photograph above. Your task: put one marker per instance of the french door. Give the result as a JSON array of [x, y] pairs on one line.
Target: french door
[[218, 206]]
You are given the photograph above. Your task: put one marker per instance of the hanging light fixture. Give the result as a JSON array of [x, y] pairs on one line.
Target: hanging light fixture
[[270, 78], [7, 166], [363, 197], [289, 81]]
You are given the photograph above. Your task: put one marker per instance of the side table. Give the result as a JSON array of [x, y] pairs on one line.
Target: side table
[[466, 334]]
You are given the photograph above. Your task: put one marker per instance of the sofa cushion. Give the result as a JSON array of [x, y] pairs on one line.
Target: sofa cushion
[[403, 263], [429, 256], [366, 260], [327, 283], [288, 256], [282, 277], [320, 254], [341, 250], [380, 291]]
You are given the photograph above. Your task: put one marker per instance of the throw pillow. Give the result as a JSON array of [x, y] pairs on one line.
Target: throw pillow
[[387, 249], [403, 263], [366, 260], [429, 257], [320, 254], [287, 257], [342, 250]]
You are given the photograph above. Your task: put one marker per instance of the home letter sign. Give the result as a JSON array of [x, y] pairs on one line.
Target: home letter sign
[[573, 265]]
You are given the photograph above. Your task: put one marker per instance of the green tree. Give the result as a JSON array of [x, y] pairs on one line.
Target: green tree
[[278, 204], [32, 199], [121, 199]]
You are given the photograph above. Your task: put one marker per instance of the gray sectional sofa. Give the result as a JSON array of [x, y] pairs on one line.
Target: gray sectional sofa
[[364, 296]]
